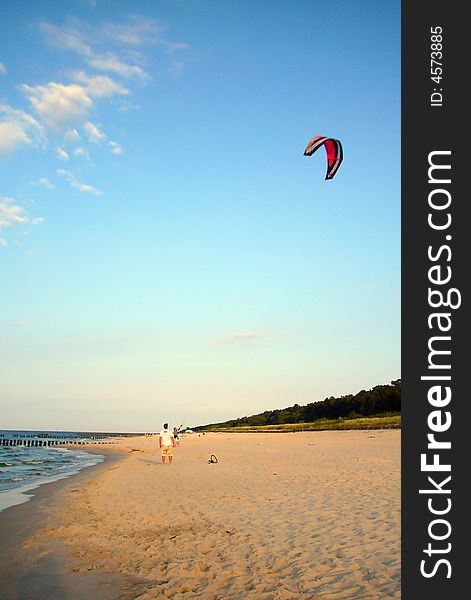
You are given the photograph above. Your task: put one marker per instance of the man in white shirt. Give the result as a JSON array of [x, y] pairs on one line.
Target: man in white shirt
[[166, 443]]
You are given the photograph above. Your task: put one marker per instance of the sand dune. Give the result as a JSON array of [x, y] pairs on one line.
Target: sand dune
[[281, 516]]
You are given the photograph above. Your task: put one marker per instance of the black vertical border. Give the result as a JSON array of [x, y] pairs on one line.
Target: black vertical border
[[425, 129]]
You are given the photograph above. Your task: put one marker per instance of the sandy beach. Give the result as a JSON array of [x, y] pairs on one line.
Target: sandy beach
[[280, 516]]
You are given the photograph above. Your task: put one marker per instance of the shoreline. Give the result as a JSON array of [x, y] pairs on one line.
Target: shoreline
[[23, 493], [23, 572]]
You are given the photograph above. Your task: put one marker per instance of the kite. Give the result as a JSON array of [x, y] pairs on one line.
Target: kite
[[333, 149]]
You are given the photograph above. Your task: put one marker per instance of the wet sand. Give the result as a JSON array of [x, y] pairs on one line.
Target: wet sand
[[280, 516], [44, 571]]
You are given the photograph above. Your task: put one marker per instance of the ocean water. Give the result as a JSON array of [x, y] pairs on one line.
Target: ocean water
[[24, 468]]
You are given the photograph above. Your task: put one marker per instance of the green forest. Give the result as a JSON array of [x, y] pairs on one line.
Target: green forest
[[380, 400]]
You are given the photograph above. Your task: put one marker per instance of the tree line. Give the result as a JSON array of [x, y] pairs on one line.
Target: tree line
[[377, 401]]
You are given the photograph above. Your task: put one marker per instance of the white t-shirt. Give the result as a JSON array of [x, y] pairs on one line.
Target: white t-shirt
[[166, 436]]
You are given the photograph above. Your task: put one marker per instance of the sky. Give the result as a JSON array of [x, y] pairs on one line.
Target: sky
[[167, 253]]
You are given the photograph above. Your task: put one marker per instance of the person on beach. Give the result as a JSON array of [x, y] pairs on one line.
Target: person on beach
[[166, 443], [175, 436]]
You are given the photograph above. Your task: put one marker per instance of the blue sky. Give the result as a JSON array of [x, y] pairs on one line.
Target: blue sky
[[166, 250]]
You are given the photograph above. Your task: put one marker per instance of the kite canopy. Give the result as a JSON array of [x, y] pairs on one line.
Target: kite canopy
[[333, 150]]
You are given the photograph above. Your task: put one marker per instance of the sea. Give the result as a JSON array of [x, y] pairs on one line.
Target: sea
[[25, 468]]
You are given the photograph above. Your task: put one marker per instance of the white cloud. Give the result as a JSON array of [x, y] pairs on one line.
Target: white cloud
[[62, 154], [140, 31], [12, 136], [80, 38], [126, 106], [112, 52], [111, 63], [58, 108], [125, 39], [13, 215], [99, 86], [115, 147], [95, 135], [69, 38], [82, 187], [10, 213], [16, 115], [72, 135], [18, 128], [82, 153], [44, 181], [176, 68], [59, 105]]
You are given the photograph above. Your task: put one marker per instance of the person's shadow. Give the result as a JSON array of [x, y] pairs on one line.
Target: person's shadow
[[52, 581], [149, 462], [41, 583]]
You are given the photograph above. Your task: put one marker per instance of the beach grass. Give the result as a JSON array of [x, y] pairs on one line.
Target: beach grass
[[389, 421]]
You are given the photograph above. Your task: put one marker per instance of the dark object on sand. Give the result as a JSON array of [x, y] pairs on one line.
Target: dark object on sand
[[213, 459]]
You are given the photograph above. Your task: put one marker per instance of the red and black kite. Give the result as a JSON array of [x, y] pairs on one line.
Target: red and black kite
[[333, 150]]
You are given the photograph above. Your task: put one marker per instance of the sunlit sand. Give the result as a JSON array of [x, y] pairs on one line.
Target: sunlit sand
[[299, 515]]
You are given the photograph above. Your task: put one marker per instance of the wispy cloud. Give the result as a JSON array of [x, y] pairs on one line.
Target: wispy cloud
[[99, 86], [62, 154], [140, 31], [112, 339], [124, 57], [44, 182], [69, 37], [72, 135], [12, 215], [115, 147], [127, 106], [241, 338], [18, 128], [23, 322], [95, 135], [74, 183], [113, 52], [91, 341], [12, 136], [110, 63], [82, 153], [176, 68]]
